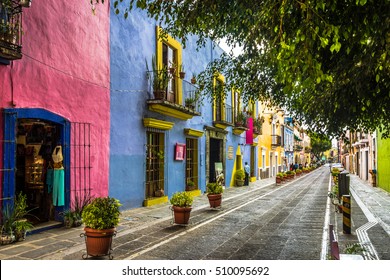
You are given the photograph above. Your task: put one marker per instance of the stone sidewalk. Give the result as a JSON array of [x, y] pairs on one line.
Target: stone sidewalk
[[370, 213]]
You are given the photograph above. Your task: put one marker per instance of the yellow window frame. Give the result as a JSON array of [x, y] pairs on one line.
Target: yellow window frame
[[236, 101], [219, 78], [159, 54]]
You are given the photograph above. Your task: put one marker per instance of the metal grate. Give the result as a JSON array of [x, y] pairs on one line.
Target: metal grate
[[80, 163], [192, 160], [154, 164]]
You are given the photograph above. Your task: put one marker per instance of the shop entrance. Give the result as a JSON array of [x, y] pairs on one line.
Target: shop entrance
[[29, 166], [216, 156], [39, 167]]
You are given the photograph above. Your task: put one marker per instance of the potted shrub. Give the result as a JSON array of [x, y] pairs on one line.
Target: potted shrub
[[290, 174], [214, 194], [14, 223], [190, 186], [181, 207], [159, 78], [240, 120], [100, 217], [182, 74], [240, 177], [193, 79], [279, 177], [190, 103]]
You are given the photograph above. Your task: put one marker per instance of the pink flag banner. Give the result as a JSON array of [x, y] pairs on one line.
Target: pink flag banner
[[249, 132]]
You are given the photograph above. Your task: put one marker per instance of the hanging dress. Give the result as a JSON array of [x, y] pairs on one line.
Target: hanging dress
[[58, 178]]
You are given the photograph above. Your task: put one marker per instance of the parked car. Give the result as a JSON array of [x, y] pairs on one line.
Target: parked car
[[337, 165]]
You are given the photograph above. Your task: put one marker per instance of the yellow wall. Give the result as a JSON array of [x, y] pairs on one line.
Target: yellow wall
[[265, 140]]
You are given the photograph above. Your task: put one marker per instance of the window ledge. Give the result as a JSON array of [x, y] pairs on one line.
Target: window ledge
[[171, 109]]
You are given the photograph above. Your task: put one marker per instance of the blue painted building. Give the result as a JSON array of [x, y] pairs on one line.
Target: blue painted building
[[159, 142]]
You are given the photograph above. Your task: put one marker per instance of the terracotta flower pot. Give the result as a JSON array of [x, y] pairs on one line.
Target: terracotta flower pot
[[215, 200], [99, 241], [181, 214], [239, 183]]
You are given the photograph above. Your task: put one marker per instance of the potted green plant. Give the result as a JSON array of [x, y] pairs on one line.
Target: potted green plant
[[240, 177], [181, 207], [68, 216], [190, 185], [190, 103], [214, 194], [172, 68], [257, 125], [240, 120], [100, 217], [279, 177], [182, 73], [193, 79], [159, 78], [14, 220]]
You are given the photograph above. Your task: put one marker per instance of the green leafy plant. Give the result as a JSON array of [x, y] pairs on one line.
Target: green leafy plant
[[214, 188], [159, 76], [181, 199], [241, 119], [190, 183], [14, 222], [101, 213], [240, 174], [354, 249]]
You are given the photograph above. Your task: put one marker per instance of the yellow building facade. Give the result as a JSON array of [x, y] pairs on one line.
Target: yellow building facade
[[270, 142]]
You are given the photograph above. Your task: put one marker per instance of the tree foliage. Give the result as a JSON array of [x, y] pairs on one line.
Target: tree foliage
[[326, 61], [320, 143]]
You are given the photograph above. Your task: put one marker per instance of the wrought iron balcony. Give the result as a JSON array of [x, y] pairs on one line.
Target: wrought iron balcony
[[276, 140], [223, 115], [164, 98], [11, 29]]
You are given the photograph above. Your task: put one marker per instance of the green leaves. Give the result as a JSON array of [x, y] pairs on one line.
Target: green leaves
[[321, 59]]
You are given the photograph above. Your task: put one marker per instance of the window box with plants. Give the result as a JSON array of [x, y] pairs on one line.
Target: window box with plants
[[240, 120], [181, 207], [190, 103], [100, 217], [240, 125], [258, 125], [214, 194]]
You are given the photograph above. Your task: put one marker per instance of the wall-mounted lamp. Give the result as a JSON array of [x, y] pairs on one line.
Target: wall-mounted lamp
[[25, 3]]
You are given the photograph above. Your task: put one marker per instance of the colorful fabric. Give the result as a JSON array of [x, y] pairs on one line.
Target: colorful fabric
[[58, 187]]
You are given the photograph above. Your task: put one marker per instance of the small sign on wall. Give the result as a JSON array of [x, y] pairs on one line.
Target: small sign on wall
[[180, 151], [230, 152]]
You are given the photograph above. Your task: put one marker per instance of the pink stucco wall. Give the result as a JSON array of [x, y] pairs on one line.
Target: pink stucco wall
[[65, 70]]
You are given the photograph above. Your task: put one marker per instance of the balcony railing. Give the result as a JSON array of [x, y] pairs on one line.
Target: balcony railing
[[10, 30], [224, 114], [191, 96], [167, 101], [276, 140]]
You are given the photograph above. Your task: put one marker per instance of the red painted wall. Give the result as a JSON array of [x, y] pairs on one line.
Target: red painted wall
[[65, 70]]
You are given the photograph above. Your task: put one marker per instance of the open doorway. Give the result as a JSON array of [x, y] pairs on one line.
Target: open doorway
[[215, 156], [37, 142]]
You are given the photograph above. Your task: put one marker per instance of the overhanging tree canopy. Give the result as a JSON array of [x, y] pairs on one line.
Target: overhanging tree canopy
[[327, 61]]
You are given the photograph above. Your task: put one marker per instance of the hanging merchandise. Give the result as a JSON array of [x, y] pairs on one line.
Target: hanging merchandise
[[58, 177], [49, 180], [57, 154], [58, 187]]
